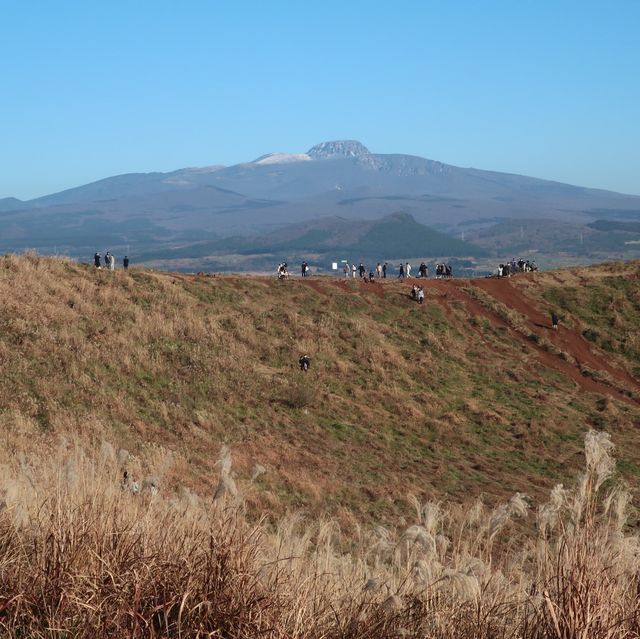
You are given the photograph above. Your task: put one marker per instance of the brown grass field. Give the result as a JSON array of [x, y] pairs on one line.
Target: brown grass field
[[408, 485]]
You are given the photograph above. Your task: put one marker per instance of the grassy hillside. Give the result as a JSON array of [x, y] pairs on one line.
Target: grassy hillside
[[470, 393], [403, 487]]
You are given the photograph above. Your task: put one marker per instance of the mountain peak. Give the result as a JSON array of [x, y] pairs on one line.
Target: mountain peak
[[337, 149]]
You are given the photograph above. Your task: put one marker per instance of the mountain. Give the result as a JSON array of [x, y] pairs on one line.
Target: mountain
[[338, 179], [11, 204], [321, 242], [338, 149]]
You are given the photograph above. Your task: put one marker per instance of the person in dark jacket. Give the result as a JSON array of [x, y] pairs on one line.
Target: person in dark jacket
[[554, 321], [304, 362], [384, 271], [125, 262], [96, 260]]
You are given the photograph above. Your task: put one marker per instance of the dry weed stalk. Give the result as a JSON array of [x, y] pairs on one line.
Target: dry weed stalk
[[80, 555]]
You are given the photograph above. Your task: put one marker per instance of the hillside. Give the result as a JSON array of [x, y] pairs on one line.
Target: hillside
[[406, 486], [469, 394]]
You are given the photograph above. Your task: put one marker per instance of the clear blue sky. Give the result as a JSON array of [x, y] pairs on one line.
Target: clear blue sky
[[548, 88]]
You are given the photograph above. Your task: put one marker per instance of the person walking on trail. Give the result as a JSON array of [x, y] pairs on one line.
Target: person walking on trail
[[422, 271], [384, 271], [304, 363], [304, 266], [354, 270], [554, 321], [125, 262], [107, 260], [420, 295], [112, 263], [378, 270], [96, 260], [401, 271], [361, 269], [346, 269], [408, 270]]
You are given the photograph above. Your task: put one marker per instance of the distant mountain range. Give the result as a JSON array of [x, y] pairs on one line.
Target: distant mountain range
[[308, 202]]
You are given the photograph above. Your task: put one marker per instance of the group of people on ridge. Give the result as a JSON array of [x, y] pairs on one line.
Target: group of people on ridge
[[404, 270], [519, 266], [109, 261], [380, 271]]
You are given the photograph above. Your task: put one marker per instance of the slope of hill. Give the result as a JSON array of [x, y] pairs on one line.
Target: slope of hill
[[470, 393], [155, 211], [430, 434]]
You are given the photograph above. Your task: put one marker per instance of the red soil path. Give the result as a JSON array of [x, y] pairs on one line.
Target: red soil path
[[565, 338]]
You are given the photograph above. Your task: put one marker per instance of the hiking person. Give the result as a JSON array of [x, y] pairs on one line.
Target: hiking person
[[107, 259], [304, 362], [96, 260], [414, 292], [361, 269], [371, 276], [125, 263], [422, 270], [407, 269], [354, 270], [346, 269], [282, 271], [378, 270], [448, 270], [554, 321], [304, 267], [384, 271], [401, 271], [420, 295], [112, 263]]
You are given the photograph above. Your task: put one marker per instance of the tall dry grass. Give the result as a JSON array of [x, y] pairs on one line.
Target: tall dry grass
[[82, 555]]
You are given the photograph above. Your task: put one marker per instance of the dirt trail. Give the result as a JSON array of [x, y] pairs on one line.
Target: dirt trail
[[566, 338]]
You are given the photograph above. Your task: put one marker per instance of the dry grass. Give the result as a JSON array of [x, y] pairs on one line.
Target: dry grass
[[83, 556]]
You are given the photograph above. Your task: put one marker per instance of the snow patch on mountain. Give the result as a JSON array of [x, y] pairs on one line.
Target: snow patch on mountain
[[282, 158]]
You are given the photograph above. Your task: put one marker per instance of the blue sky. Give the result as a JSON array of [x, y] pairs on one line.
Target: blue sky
[[91, 89]]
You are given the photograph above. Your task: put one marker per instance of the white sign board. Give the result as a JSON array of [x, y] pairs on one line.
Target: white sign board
[[334, 266]]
